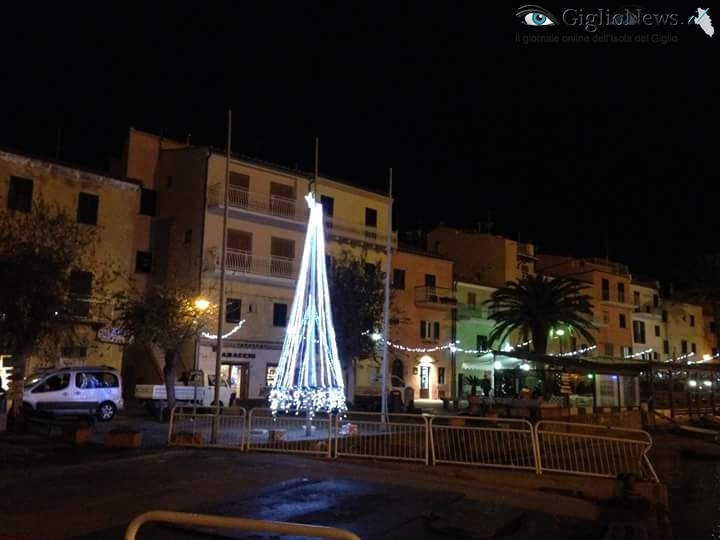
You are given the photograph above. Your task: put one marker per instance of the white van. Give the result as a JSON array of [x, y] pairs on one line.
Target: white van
[[87, 390]]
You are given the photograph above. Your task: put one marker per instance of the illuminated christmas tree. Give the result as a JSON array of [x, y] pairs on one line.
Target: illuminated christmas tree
[[309, 375]]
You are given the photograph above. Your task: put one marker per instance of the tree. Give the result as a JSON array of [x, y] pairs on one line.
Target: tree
[[534, 305], [357, 290], [38, 252], [164, 317]]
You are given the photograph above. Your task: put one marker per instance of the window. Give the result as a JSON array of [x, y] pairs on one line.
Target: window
[[481, 343], [399, 279], [472, 299], [664, 316], [441, 375], [87, 211], [239, 181], [605, 289], [270, 374], [656, 300], [609, 349], [430, 280], [693, 348], [54, 384], [429, 330], [148, 202], [143, 262], [282, 199], [20, 194], [639, 331], [621, 292], [72, 351], [657, 330], [233, 310], [279, 314], [96, 379], [636, 298], [606, 317], [666, 346], [239, 240], [188, 236], [370, 217], [622, 320], [80, 283], [370, 269], [692, 320], [683, 346], [328, 204]]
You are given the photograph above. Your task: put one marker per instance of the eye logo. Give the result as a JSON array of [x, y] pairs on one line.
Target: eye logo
[[626, 16], [536, 16]]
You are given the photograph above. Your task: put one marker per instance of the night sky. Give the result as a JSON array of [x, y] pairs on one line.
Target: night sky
[[584, 149]]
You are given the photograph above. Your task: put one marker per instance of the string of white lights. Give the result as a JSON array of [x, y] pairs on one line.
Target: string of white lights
[[236, 328]]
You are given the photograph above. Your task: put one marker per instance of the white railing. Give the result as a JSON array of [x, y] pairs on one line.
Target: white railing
[[246, 262], [510, 443], [402, 437], [262, 203], [483, 442], [592, 450], [289, 433], [282, 528], [355, 231]]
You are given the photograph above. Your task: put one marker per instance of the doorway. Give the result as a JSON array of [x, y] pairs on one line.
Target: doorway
[[238, 376], [424, 382]]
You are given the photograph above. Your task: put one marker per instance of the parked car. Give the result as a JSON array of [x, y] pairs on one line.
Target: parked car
[[77, 390]]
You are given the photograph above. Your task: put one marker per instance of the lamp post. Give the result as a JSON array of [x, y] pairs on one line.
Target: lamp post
[[560, 333], [201, 305]]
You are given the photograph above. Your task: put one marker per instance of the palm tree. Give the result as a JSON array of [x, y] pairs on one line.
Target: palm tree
[[534, 305]]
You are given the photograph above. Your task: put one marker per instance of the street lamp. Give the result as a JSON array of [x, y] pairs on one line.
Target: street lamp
[[560, 333], [201, 304]]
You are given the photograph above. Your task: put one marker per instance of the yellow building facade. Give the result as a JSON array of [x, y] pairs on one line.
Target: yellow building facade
[[108, 205], [423, 301], [266, 225]]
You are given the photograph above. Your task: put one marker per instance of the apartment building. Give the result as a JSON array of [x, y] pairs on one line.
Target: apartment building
[[648, 328], [423, 302], [685, 338], [609, 286], [266, 225], [483, 258], [109, 206]]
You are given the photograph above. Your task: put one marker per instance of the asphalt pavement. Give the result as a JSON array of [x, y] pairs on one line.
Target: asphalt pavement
[[54, 490]]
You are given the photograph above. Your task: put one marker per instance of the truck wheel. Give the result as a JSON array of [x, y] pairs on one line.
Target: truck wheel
[[106, 411]]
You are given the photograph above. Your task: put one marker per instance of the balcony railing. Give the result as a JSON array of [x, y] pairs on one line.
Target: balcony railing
[[346, 230], [261, 203], [435, 297], [526, 250], [472, 311], [615, 297], [89, 309], [246, 262]]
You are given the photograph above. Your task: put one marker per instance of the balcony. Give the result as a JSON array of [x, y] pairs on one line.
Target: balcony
[[89, 310], [526, 251], [259, 203], [435, 297], [617, 299], [346, 231], [273, 268], [472, 311], [648, 310]]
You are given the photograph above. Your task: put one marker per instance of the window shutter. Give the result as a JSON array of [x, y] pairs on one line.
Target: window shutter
[[436, 330]]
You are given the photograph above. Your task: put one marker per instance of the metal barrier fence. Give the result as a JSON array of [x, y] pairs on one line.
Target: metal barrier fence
[[509, 443], [223, 522], [483, 442], [401, 437], [592, 450]]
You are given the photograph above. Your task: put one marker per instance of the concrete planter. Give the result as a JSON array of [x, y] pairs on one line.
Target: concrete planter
[[123, 439]]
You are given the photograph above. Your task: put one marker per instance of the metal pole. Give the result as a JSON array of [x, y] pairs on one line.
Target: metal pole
[[386, 310], [221, 301], [313, 185]]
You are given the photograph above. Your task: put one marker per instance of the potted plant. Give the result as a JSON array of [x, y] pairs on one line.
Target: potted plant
[[474, 400]]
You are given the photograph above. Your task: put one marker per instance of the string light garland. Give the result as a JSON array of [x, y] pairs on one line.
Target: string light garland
[[309, 374], [236, 328]]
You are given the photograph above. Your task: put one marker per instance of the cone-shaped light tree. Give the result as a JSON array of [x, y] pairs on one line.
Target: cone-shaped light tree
[[309, 374]]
